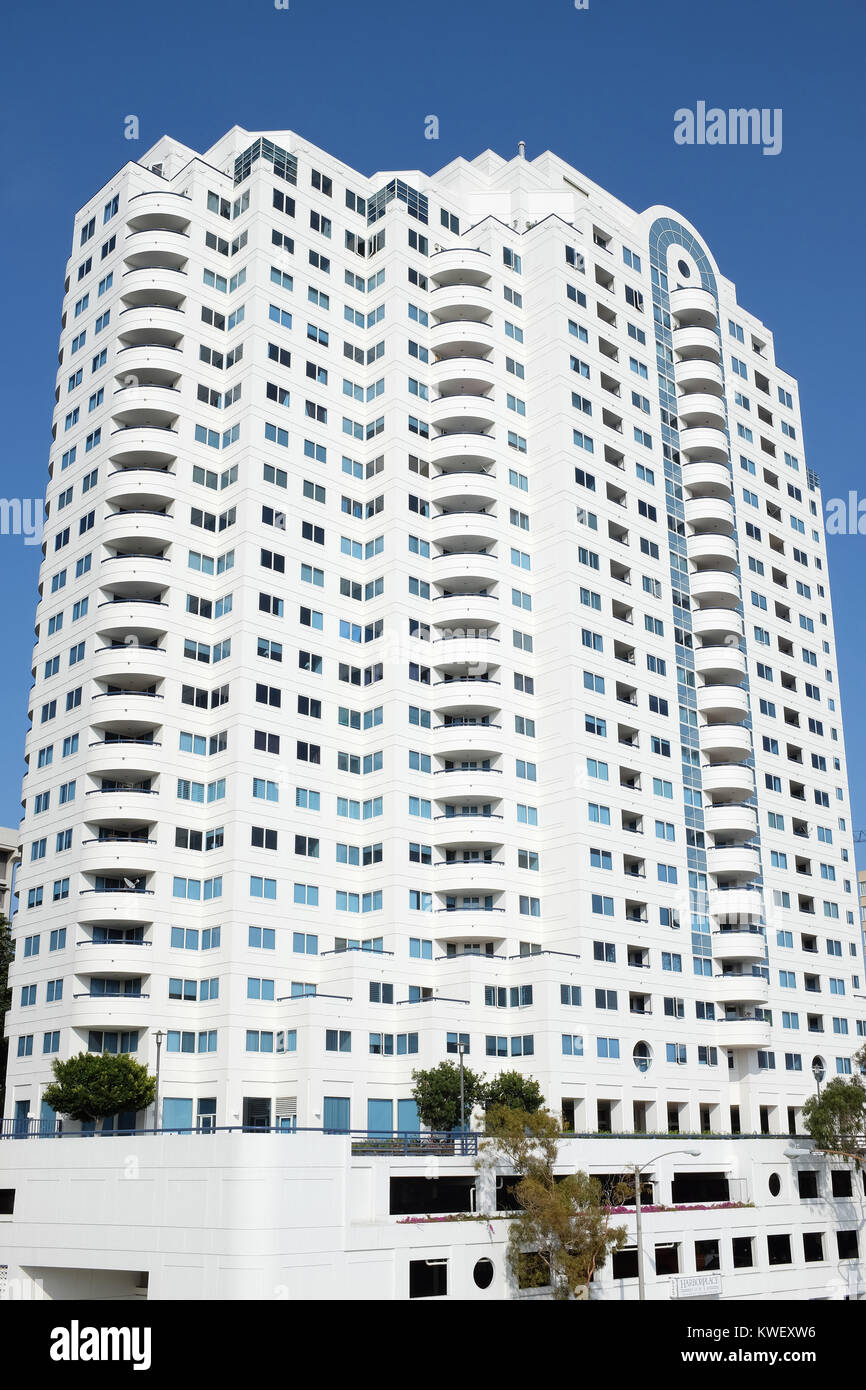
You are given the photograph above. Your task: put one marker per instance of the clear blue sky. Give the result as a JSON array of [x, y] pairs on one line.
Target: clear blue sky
[[597, 86]]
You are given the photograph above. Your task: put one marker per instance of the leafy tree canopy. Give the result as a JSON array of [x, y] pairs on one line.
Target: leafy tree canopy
[[437, 1095], [89, 1086]]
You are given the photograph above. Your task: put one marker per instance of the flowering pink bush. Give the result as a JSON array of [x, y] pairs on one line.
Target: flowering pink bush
[[614, 1211]]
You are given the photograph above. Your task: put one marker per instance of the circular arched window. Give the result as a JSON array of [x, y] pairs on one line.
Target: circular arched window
[[683, 269], [483, 1273], [775, 1184], [642, 1056]]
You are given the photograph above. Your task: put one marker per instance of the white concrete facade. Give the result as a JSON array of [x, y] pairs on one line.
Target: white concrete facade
[[431, 567], [302, 1217]]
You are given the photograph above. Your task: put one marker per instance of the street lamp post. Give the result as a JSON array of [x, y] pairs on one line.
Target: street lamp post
[[638, 1169], [158, 1037], [818, 1073], [461, 1048]]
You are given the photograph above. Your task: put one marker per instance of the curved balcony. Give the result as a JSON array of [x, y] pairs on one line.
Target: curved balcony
[[128, 601], [720, 665], [696, 344], [462, 568], [739, 944], [163, 250], [465, 265], [741, 989], [124, 755], [144, 448], [138, 491], [153, 284], [472, 376], [725, 743], [710, 514], [158, 208], [112, 1010], [150, 323], [467, 738], [462, 453], [461, 303], [743, 1033], [715, 588], [129, 706], [731, 782], [151, 406], [705, 479], [731, 819], [456, 784], [712, 551], [460, 493], [717, 624], [118, 664], [462, 414], [694, 308], [138, 529], [703, 442], [454, 339], [468, 876], [464, 531], [133, 859], [156, 361], [116, 909], [725, 704], [143, 569], [736, 860], [699, 374], [465, 609], [699, 410], [116, 959], [734, 905], [474, 654], [467, 829]]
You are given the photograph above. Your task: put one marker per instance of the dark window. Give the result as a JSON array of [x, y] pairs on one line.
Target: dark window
[[841, 1180], [813, 1246], [667, 1259], [418, 1196], [700, 1187], [7, 1201], [706, 1255], [846, 1243], [483, 1273], [625, 1264], [428, 1280], [779, 1250], [742, 1250], [807, 1182], [774, 1184]]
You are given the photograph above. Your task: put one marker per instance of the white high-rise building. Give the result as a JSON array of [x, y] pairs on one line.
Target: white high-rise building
[[434, 649]]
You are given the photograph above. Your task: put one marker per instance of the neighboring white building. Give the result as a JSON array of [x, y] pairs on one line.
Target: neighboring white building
[[434, 647], [9, 861]]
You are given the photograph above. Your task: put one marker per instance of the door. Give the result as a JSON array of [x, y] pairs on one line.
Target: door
[[47, 1120], [407, 1117], [257, 1112], [380, 1116], [22, 1112], [207, 1115], [335, 1114], [177, 1112]]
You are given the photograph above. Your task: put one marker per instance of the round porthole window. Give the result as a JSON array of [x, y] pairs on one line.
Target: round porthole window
[[483, 1273], [775, 1184], [642, 1056], [683, 269]]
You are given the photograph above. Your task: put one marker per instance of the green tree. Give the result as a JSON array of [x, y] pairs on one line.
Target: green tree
[[515, 1091], [7, 952], [437, 1095], [562, 1233], [836, 1121], [89, 1086]]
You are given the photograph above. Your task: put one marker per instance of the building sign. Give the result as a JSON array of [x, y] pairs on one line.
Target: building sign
[[696, 1286]]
